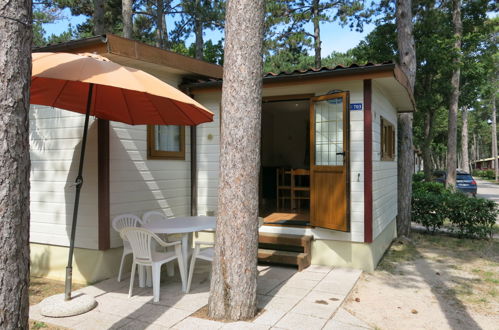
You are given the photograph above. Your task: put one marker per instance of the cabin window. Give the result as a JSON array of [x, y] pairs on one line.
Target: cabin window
[[165, 142], [387, 140]]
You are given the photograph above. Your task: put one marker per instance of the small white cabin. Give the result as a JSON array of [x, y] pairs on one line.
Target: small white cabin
[[328, 158], [328, 162]]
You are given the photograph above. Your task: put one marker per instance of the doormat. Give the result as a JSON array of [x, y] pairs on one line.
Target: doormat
[[289, 223]]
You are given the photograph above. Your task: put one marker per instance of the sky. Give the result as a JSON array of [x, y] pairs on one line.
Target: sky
[[333, 36]]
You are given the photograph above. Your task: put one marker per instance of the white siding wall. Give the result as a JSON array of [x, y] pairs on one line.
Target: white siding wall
[[137, 184], [208, 154], [55, 137], [384, 172]]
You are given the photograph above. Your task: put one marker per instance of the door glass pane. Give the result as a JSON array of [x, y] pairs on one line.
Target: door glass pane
[[329, 132]]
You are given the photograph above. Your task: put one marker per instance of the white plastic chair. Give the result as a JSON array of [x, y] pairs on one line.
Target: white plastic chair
[[145, 255], [120, 222], [153, 215], [205, 254]]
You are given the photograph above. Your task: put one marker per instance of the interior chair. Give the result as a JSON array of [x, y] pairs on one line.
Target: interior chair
[[206, 253], [144, 254], [283, 188], [122, 221], [300, 188]]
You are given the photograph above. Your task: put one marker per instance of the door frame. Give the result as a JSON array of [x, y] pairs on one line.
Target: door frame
[[278, 98], [346, 138]]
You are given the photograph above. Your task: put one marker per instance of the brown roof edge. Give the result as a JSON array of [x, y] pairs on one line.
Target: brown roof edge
[[73, 45], [120, 46], [401, 77], [306, 75], [372, 70]]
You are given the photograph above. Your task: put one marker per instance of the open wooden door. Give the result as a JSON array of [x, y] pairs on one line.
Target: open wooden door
[[329, 161]]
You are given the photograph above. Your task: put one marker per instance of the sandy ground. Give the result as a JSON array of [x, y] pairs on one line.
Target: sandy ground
[[431, 282]]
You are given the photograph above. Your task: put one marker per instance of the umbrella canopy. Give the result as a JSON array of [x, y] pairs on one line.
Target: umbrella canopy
[[120, 93]]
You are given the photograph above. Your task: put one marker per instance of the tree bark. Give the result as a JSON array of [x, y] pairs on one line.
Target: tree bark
[[198, 32], [99, 21], [494, 135], [464, 142], [15, 73], [127, 13], [160, 14], [450, 180], [428, 137], [405, 161], [234, 271], [317, 33]]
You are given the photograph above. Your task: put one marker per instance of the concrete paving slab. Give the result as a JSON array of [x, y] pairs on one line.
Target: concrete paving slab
[[296, 300], [300, 321], [194, 323], [269, 317], [345, 317], [244, 326], [165, 317]]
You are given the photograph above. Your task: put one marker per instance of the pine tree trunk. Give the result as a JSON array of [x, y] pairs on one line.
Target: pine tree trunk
[[428, 137], [127, 13], [15, 73], [494, 135], [464, 142], [317, 33], [450, 180], [234, 271], [99, 22], [198, 32], [160, 14], [166, 41], [405, 161]]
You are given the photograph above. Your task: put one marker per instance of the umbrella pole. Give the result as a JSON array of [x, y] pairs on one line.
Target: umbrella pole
[[78, 183]]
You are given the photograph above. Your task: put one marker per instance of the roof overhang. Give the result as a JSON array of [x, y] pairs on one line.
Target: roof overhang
[[138, 55], [389, 77]]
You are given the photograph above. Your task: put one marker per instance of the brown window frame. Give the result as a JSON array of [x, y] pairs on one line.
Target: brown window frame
[[153, 153], [387, 140]]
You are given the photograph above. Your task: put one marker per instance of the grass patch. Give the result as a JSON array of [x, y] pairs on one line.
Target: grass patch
[[401, 250], [41, 288]]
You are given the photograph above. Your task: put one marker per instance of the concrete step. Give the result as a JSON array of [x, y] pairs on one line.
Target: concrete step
[[283, 257], [285, 249]]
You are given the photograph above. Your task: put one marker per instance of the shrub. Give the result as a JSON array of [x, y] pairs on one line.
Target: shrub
[[433, 204], [488, 174], [471, 217], [426, 210], [418, 177], [478, 173]]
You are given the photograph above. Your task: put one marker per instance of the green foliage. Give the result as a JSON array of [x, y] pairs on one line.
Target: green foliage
[[487, 174], [433, 206], [208, 14], [38, 325], [286, 25], [212, 52], [471, 217], [418, 177], [434, 38]]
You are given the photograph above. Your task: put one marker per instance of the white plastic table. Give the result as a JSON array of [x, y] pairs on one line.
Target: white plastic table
[[185, 226]]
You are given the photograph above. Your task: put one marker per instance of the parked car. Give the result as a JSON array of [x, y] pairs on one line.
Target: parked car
[[464, 181]]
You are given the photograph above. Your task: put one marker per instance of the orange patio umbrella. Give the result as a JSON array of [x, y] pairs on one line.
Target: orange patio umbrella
[[94, 86]]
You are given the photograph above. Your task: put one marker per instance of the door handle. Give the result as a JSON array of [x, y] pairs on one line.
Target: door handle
[[341, 153]]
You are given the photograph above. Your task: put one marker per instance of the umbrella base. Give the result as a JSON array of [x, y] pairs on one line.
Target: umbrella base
[[56, 306]]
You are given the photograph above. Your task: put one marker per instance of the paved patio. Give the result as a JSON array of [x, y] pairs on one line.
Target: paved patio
[[310, 299]]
